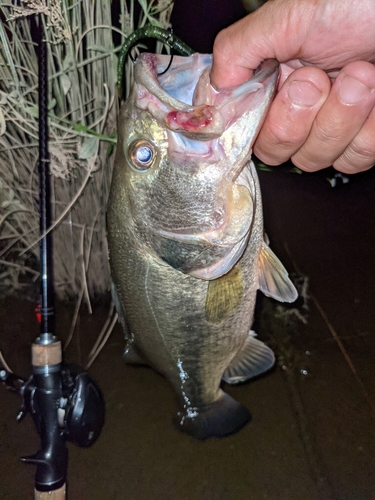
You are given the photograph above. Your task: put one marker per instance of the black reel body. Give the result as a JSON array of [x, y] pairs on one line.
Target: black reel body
[[79, 405], [81, 410], [66, 404]]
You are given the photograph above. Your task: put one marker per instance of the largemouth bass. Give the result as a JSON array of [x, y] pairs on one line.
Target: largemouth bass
[[185, 231]]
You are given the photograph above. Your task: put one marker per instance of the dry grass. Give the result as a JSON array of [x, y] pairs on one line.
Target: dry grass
[[82, 121]]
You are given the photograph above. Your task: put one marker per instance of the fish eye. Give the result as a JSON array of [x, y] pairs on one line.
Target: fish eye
[[142, 154]]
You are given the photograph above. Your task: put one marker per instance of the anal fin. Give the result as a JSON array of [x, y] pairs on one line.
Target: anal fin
[[253, 359]]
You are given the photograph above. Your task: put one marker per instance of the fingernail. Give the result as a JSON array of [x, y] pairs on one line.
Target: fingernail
[[303, 93], [352, 91]]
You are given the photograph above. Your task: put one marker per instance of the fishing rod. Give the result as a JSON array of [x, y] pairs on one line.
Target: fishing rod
[[64, 402]]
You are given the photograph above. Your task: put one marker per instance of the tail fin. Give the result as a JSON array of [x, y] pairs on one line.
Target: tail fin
[[221, 418]]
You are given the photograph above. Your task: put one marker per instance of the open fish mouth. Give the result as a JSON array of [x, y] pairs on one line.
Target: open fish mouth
[[185, 102]]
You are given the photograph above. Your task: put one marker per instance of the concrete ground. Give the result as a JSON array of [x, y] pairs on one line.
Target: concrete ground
[[312, 436]]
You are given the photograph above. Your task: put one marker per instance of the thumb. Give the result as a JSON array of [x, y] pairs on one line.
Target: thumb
[[266, 33]]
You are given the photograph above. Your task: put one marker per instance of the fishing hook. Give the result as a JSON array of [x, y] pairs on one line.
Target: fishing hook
[[166, 69], [169, 64], [148, 31]]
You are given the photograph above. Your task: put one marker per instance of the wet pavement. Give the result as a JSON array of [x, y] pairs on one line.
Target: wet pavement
[[312, 436]]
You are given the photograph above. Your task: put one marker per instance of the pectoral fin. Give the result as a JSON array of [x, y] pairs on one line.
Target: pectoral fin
[[273, 278], [224, 295], [253, 359]]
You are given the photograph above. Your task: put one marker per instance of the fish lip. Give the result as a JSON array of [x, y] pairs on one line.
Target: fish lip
[[205, 121], [267, 68], [145, 73], [200, 122]]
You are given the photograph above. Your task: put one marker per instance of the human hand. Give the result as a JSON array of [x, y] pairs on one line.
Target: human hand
[[324, 111]]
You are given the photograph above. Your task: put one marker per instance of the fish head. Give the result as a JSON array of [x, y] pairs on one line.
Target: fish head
[[182, 162]]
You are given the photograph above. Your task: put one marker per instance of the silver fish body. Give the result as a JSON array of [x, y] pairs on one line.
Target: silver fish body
[[185, 232]]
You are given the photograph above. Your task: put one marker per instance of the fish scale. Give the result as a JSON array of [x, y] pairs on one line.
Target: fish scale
[[196, 192], [185, 234]]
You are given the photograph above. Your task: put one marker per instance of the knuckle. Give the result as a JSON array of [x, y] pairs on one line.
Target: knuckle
[[305, 163], [274, 149], [349, 168], [327, 133], [286, 134], [361, 148], [358, 156], [220, 42]]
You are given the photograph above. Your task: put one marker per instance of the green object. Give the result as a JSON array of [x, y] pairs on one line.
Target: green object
[[148, 31]]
